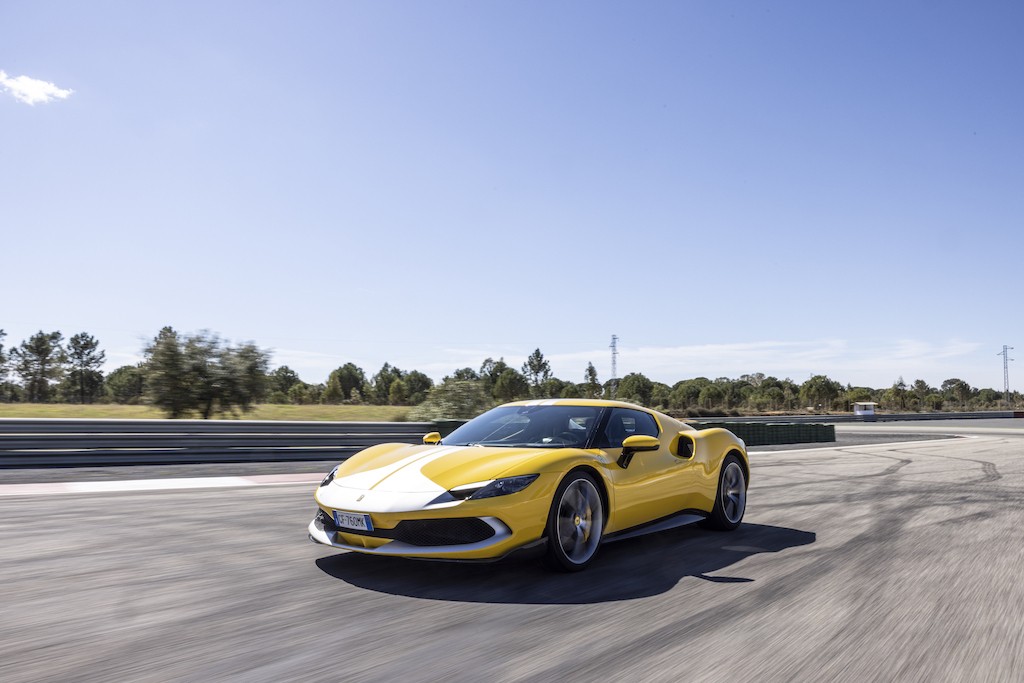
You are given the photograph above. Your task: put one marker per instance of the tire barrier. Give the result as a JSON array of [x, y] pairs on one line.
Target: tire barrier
[[877, 417], [774, 434]]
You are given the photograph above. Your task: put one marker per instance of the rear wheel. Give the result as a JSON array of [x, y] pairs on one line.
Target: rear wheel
[[575, 523], [731, 500]]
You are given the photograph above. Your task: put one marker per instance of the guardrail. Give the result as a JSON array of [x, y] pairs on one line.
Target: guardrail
[[43, 442], [47, 442]]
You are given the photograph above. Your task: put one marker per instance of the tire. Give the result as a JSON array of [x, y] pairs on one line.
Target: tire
[[575, 523], [731, 500]]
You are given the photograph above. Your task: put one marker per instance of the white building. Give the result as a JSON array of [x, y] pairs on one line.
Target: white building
[[864, 408]]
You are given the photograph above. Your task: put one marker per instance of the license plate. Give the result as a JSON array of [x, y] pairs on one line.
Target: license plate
[[351, 520]]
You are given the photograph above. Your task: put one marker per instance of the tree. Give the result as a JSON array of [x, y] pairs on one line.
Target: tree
[[756, 379], [204, 376], [921, 391], [660, 395], [84, 380], [591, 387], [332, 392], [9, 392], [453, 399], [551, 388], [686, 393], [3, 358], [858, 395], [202, 373], [348, 378], [571, 390], [988, 398], [398, 395], [510, 386], [536, 370], [736, 391], [39, 361], [958, 390], [167, 384], [381, 383], [819, 390], [775, 397], [896, 396], [790, 394], [282, 379], [126, 384], [711, 396], [246, 367], [766, 392], [302, 394], [635, 387], [464, 374], [490, 371], [417, 386]]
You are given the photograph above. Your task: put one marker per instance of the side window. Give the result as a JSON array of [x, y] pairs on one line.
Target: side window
[[623, 423], [645, 424]]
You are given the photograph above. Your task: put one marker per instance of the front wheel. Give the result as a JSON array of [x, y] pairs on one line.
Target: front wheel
[[731, 501], [575, 523]]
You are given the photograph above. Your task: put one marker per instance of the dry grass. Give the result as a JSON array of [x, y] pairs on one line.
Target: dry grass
[[261, 412]]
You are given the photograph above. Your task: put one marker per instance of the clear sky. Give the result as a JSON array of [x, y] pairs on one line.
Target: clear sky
[[730, 187]]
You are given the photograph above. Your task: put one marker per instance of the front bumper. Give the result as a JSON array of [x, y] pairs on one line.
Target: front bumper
[[496, 545]]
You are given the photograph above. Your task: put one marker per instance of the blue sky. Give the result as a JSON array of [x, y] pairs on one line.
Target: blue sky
[[730, 187]]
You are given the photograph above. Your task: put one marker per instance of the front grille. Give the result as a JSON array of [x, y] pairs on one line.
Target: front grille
[[423, 532], [326, 520], [456, 531]]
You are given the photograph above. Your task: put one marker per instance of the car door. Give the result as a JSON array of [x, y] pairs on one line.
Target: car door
[[655, 484]]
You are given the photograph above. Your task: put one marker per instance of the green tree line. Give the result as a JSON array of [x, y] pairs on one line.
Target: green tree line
[[203, 375]]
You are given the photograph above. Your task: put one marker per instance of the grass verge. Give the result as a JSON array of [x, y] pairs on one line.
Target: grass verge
[[113, 411]]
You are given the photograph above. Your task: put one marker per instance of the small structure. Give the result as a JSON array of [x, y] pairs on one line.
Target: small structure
[[864, 409]]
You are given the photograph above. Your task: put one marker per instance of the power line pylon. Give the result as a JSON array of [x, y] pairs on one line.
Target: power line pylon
[[615, 357], [1005, 353]]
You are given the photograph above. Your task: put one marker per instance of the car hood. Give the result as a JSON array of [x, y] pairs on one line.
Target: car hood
[[400, 468]]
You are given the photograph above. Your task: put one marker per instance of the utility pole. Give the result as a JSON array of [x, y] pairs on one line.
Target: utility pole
[[615, 356], [1005, 353]]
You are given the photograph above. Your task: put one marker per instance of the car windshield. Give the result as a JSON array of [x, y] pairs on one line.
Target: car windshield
[[557, 426]]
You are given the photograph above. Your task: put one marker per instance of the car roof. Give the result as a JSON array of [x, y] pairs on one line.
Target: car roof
[[595, 402]]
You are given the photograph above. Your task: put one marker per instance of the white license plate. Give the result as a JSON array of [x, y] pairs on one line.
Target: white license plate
[[351, 520]]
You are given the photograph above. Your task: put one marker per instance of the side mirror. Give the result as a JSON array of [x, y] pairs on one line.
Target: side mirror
[[432, 439], [634, 444]]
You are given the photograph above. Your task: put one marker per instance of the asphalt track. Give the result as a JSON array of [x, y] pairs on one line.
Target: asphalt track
[[861, 561]]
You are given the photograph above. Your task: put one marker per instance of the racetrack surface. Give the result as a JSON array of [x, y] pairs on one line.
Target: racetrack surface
[[860, 562]]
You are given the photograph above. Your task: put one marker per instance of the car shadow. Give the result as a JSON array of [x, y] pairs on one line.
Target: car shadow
[[626, 570]]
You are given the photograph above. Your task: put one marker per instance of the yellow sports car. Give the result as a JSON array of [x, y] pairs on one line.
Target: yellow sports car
[[565, 473]]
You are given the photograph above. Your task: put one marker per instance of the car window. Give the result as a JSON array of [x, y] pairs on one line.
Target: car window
[[553, 426], [623, 423]]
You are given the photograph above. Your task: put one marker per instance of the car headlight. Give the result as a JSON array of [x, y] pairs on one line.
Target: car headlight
[[486, 489], [503, 487], [330, 476]]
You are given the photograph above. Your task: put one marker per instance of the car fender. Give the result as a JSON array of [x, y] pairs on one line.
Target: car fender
[[712, 447]]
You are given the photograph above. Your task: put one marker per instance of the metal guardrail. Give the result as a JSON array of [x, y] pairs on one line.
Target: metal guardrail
[[43, 442], [47, 442]]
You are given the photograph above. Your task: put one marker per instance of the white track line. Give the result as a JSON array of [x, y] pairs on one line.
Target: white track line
[[860, 445], [157, 484]]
